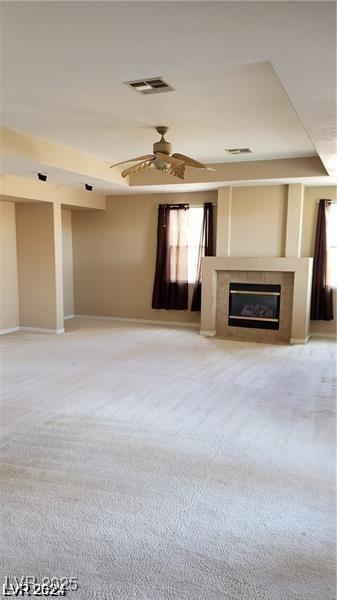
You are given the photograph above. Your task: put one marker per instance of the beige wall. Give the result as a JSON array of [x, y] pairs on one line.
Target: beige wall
[[311, 196], [67, 260], [36, 265], [9, 298], [258, 221], [115, 253]]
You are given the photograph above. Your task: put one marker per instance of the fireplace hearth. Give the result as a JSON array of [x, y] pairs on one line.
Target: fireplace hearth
[[254, 305]]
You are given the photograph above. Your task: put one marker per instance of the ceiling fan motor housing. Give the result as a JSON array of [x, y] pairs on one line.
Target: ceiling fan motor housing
[[162, 146]]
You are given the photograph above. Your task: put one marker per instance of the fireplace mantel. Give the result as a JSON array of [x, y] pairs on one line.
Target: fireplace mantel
[[300, 267]]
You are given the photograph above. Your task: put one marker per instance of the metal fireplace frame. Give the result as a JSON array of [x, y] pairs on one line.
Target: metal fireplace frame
[[252, 289]]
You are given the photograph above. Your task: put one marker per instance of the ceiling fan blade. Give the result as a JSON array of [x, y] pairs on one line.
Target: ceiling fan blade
[[177, 170], [136, 168], [190, 162], [169, 159], [145, 157]]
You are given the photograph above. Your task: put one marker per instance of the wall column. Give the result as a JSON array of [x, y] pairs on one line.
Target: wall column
[[294, 220], [9, 297], [39, 250], [57, 221], [223, 229]]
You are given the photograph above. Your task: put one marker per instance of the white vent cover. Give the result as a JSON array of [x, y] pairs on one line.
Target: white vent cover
[[154, 85], [238, 150]]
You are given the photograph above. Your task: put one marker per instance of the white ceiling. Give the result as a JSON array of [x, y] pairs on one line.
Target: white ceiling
[[254, 74], [239, 107]]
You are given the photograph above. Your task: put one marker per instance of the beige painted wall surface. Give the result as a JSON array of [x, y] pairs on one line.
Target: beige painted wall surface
[[115, 253], [36, 265], [311, 195], [68, 268], [9, 296], [258, 221]]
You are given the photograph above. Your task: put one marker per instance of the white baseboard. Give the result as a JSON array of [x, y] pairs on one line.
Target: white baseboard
[[9, 330], [208, 333], [317, 334], [67, 317], [144, 321], [314, 334], [42, 330], [32, 329], [300, 340]]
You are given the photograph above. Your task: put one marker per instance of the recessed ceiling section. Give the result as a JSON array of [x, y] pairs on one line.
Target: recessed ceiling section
[[239, 107], [64, 63]]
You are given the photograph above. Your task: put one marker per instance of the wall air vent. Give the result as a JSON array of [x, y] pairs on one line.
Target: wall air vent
[[154, 85], [238, 150]]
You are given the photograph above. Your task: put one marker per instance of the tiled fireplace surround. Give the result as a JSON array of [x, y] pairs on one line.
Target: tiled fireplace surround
[[294, 276]]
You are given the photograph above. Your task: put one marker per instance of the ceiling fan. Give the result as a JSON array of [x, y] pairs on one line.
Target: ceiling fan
[[162, 159]]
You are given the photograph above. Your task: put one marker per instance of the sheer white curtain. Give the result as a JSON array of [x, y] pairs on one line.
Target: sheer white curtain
[[332, 243], [178, 245]]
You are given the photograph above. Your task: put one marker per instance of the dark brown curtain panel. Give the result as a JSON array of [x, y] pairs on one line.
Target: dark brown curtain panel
[[170, 290], [321, 294], [206, 248]]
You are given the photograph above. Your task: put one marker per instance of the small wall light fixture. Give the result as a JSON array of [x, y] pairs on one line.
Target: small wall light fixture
[[89, 187], [42, 177]]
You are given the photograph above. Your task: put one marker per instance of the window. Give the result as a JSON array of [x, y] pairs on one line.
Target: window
[[178, 235], [332, 244], [195, 218]]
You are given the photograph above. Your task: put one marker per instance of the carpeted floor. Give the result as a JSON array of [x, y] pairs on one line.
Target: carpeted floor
[[154, 464]]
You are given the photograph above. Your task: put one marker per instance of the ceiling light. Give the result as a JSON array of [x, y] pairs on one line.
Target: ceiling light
[[42, 177], [89, 187]]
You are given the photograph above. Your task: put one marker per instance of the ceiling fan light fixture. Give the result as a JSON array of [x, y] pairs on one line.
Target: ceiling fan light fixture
[[160, 165]]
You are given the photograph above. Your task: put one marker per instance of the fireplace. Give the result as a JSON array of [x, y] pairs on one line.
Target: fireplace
[[254, 305], [291, 275]]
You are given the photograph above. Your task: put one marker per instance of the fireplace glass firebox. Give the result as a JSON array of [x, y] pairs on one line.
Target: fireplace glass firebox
[[254, 305]]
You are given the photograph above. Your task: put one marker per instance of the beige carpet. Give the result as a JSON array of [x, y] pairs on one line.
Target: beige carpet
[[154, 464]]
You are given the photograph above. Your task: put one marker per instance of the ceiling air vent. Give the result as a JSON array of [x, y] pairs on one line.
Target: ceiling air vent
[[155, 85], [238, 150]]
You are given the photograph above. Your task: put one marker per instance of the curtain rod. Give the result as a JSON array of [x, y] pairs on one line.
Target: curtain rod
[[183, 204], [328, 201]]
